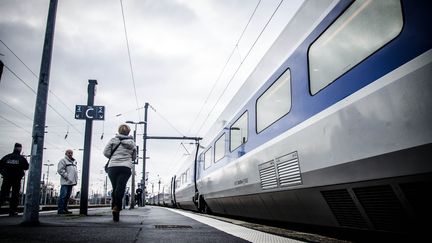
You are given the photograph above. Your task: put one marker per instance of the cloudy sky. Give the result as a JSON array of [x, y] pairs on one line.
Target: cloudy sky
[[178, 53]]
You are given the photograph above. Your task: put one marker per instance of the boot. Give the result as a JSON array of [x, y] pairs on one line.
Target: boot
[[116, 214]]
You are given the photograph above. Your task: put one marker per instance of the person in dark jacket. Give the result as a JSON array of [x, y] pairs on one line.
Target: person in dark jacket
[[139, 194], [122, 152], [12, 167]]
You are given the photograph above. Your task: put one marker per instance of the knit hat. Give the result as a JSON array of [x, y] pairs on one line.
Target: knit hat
[[18, 145]]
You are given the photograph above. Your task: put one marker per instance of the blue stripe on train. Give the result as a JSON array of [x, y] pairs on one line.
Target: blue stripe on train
[[414, 39]]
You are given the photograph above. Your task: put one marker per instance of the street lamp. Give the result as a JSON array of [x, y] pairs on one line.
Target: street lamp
[[159, 182], [46, 187], [132, 205]]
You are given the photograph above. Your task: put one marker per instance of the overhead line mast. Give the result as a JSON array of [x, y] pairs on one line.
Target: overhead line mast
[[31, 207]]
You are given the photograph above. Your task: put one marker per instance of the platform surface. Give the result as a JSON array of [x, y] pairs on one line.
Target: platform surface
[[146, 224]]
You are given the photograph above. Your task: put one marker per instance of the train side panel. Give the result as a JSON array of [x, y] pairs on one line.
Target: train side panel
[[356, 155]]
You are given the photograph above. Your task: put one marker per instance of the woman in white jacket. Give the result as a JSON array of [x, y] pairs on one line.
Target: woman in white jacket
[[68, 172], [122, 150]]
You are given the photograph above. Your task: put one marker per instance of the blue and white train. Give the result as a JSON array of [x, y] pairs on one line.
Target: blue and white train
[[332, 128]]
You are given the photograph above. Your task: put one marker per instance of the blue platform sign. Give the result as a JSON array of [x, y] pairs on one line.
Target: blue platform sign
[[83, 112]]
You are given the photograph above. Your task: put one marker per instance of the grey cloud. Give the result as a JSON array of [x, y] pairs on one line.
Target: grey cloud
[[177, 51], [164, 11]]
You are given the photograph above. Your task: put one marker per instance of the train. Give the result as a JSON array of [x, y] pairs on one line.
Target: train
[[332, 128]]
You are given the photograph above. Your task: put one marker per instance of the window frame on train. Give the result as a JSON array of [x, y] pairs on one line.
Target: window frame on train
[[186, 173], [178, 183], [183, 178], [267, 102], [333, 44], [208, 151], [233, 127], [220, 143]]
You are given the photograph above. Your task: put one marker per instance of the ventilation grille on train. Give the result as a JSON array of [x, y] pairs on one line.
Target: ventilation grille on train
[[288, 170], [418, 196], [344, 208], [268, 175], [282, 171], [382, 207]]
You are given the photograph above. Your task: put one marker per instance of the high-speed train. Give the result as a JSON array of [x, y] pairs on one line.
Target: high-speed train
[[332, 128]]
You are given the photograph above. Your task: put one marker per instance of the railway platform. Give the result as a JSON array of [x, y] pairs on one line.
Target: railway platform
[[145, 224]]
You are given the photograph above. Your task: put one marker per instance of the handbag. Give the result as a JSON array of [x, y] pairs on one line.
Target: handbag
[[106, 165]]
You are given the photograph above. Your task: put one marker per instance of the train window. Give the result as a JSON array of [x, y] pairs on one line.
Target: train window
[[187, 175], [239, 132], [275, 102], [361, 30], [207, 159], [220, 148]]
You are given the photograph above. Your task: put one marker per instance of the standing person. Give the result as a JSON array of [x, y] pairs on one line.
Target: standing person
[[127, 198], [12, 167], [68, 172], [122, 152], [139, 193]]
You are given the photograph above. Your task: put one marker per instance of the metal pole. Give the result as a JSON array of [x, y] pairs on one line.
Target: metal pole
[[23, 189], [31, 208], [43, 190], [132, 199], [46, 187], [163, 195], [1, 69], [143, 182], [87, 148], [159, 191], [105, 191], [47, 174]]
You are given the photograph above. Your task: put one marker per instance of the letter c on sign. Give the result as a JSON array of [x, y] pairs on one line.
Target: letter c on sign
[[87, 113]]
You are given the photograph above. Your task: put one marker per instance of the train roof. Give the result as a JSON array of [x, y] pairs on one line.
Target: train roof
[[306, 18]]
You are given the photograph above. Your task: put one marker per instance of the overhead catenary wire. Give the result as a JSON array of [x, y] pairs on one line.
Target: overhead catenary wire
[[16, 125], [49, 105], [238, 68], [18, 111], [28, 86], [22, 128], [19, 58], [176, 157], [61, 137], [225, 65], [34, 74], [58, 113], [166, 120], [37, 77], [61, 101], [130, 59], [20, 79]]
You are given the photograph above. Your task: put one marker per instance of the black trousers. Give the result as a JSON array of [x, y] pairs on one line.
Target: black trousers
[[119, 176], [9, 183]]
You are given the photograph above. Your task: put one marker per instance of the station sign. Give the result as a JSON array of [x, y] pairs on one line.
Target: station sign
[[83, 112]]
